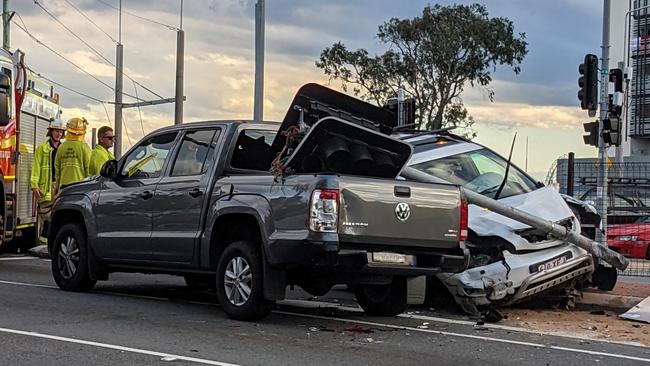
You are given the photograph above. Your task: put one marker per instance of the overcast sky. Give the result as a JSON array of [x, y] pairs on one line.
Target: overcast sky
[[540, 103]]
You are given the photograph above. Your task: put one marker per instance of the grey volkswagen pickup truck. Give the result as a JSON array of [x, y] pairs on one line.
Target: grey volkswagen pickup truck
[[215, 202]]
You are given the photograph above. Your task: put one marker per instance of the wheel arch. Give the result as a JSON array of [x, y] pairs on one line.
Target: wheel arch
[[234, 226], [61, 218]]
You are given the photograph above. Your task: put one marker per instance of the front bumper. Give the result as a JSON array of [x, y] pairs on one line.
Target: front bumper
[[513, 281]]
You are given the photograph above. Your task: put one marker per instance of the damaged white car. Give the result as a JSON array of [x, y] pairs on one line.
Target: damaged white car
[[510, 261]]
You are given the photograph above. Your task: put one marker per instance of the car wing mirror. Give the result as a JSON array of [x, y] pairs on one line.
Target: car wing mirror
[[109, 169]]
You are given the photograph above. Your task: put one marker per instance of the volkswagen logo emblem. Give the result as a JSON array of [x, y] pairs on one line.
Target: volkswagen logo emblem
[[402, 211]]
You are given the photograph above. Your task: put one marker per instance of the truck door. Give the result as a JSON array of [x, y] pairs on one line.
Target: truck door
[[124, 208], [181, 196]]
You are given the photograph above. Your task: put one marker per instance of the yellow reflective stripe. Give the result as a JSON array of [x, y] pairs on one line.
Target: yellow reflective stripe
[[10, 177], [8, 142], [24, 226], [26, 148]]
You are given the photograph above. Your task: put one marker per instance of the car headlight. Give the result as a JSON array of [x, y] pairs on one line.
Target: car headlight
[[627, 238]]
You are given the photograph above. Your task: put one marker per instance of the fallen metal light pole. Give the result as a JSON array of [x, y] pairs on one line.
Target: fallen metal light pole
[[558, 231]]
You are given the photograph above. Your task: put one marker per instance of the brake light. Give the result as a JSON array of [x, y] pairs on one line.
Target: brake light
[[324, 211], [463, 219]]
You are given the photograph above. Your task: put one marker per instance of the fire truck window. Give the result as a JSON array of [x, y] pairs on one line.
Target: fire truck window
[[196, 153], [6, 71]]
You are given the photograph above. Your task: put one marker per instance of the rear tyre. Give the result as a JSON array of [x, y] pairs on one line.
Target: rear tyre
[[383, 300], [70, 259], [240, 282]]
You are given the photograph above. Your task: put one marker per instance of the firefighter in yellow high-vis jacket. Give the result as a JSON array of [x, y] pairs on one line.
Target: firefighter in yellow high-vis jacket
[[72, 162], [42, 177]]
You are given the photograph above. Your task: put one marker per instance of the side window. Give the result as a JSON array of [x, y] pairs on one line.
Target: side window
[[148, 159], [253, 150], [196, 153]]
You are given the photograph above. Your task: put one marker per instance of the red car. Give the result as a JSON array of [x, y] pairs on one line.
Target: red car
[[631, 240]]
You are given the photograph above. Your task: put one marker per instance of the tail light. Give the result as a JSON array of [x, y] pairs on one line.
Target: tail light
[[324, 211], [463, 220]]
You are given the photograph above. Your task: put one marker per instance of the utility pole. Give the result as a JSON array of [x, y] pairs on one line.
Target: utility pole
[[5, 24], [117, 148], [119, 75], [258, 112], [180, 60], [118, 100], [601, 189]]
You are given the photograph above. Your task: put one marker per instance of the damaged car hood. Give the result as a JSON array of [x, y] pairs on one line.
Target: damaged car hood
[[544, 202]]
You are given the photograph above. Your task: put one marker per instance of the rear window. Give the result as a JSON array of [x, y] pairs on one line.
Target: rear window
[[253, 150]]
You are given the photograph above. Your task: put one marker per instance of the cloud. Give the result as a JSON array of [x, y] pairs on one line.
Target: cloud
[[219, 56], [522, 115]]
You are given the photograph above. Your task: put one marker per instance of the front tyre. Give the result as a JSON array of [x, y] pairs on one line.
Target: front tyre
[[383, 300], [240, 282], [70, 259]]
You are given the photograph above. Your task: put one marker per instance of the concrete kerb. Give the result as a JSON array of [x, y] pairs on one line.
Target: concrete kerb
[[40, 251], [607, 300]]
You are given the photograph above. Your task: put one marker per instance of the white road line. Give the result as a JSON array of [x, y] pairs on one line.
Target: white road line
[[320, 304], [316, 304], [168, 356], [18, 258], [462, 335], [27, 284]]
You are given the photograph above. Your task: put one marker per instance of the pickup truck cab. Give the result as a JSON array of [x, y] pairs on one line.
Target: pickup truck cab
[[197, 200]]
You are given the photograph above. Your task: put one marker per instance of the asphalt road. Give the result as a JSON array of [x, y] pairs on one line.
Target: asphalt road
[[138, 319]]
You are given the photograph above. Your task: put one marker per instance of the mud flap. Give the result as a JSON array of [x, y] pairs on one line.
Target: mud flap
[[416, 288], [274, 282]]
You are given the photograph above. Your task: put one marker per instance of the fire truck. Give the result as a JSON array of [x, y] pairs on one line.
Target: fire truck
[[27, 105]]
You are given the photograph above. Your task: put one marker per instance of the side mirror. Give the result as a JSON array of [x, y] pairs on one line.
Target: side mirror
[[5, 100], [109, 169]]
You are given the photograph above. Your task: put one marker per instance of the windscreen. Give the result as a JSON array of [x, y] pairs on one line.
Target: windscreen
[[481, 171]]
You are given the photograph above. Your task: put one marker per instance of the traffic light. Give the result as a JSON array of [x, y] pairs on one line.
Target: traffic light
[[592, 133], [612, 130], [408, 109], [616, 77], [588, 83]]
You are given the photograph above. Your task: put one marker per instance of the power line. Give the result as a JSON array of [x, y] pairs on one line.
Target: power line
[[102, 102], [91, 47], [38, 41], [91, 21], [66, 87], [140, 17], [107, 117], [70, 31], [139, 112], [61, 56], [126, 130]]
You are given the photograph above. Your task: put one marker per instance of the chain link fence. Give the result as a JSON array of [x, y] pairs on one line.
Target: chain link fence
[[628, 212]]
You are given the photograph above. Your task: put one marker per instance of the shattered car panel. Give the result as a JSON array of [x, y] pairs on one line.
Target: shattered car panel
[[510, 260], [544, 202]]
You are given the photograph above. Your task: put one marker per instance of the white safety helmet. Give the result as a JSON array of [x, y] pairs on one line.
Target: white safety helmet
[[57, 124]]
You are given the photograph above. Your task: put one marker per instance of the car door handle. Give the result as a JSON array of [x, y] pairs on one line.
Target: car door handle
[[195, 192], [146, 195]]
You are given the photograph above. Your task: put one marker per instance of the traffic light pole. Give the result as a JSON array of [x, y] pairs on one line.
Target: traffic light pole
[[601, 189]]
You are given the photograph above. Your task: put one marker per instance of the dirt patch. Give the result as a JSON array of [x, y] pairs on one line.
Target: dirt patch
[[594, 324]]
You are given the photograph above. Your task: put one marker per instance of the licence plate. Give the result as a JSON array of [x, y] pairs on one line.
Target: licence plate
[[550, 264]]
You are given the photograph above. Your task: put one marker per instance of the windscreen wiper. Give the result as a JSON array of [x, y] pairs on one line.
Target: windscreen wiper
[[505, 176]]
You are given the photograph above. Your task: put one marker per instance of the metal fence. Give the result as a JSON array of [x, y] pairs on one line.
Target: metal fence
[[628, 213]]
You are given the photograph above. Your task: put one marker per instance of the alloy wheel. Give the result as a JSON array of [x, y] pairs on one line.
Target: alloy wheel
[[238, 281], [68, 258]]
